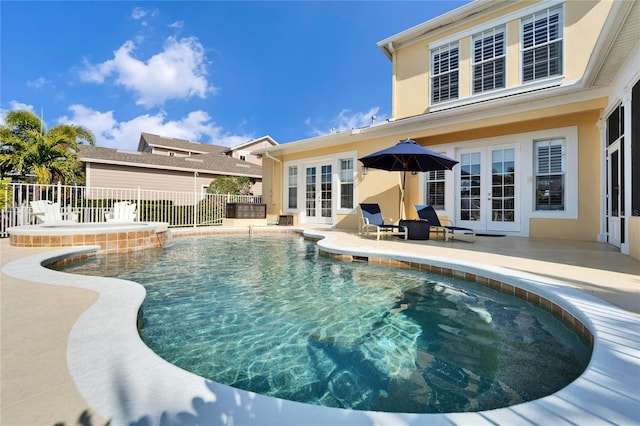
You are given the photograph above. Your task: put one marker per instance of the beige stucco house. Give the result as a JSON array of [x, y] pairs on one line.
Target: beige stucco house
[[170, 164], [538, 101]]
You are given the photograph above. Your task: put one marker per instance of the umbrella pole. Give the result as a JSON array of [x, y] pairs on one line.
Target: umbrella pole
[[404, 180]]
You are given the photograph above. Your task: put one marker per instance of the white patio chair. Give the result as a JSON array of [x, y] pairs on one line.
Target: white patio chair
[[122, 211], [49, 212]]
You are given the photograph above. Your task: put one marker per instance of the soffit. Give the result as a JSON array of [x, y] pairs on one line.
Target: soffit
[[623, 38]]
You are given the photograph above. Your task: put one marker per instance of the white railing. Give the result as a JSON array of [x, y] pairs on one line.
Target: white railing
[[90, 204]]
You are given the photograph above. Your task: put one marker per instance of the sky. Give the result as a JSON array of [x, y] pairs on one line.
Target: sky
[[220, 72]]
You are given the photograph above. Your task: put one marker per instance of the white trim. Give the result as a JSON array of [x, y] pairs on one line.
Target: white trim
[[333, 160], [450, 46], [524, 143], [502, 20], [502, 28], [554, 81], [561, 39]]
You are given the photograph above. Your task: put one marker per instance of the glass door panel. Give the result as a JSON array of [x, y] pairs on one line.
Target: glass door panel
[[310, 192], [470, 187], [326, 189], [488, 189], [318, 194], [503, 185]]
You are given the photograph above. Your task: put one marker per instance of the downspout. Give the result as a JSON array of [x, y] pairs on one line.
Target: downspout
[[392, 51], [269, 156]]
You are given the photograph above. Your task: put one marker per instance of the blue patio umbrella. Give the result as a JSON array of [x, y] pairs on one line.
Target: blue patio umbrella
[[407, 156]]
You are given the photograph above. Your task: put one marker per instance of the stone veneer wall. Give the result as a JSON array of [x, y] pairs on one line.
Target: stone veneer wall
[[113, 242]]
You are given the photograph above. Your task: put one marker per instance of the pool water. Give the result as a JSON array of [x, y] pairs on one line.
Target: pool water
[[269, 315]]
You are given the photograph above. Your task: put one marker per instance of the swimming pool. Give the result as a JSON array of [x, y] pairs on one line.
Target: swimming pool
[[341, 334]]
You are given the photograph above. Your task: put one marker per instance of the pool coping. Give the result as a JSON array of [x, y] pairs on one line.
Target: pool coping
[[123, 380]]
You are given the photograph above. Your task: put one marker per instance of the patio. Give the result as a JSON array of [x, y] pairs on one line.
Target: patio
[[37, 386]]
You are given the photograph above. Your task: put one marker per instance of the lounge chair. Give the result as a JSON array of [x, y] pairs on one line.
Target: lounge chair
[[373, 222], [122, 211], [426, 212], [49, 212]]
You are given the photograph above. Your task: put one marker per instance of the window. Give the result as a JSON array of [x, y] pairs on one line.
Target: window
[[488, 60], [292, 185], [172, 154], [550, 174], [243, 158], [542, 44], [444, 73], [346, 184], [434, 194]]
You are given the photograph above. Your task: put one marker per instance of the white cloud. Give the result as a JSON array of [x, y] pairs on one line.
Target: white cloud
[[139, 13], [347, 120], [38, 83], [14, 105], [100, 123], [196, 126], [177, 24], [178, 72]]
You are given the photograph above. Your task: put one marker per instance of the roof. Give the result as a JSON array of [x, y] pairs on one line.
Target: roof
[[432, 26], [157, 141], [212, 160], [264, 139]]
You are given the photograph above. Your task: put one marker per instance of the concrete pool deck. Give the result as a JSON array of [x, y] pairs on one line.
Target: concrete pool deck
[[38, 387]]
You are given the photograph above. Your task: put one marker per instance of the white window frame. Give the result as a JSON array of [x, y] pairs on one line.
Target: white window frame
[[532, 18], [570, 136], [288, 186], [335, 161], [433, 76], [341, 182], [493, 59], [435, 177], [557, 142], [507, 91]]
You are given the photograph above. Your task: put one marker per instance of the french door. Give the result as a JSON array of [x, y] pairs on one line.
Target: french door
[[488, 189], [318, 194]]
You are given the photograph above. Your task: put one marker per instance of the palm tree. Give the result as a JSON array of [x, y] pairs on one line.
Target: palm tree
[[52, 155]]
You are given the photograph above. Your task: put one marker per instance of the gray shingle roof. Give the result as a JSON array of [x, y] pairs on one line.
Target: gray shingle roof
[[157, 141], [210, 160]]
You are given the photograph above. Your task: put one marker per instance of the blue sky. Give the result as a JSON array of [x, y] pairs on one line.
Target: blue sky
[[208, 71]]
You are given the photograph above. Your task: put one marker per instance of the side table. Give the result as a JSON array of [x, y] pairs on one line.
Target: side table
[[416, 229]]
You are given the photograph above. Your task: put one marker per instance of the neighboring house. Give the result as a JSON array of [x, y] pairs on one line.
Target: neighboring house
[[163, 163], [244, 150], [538, 101]]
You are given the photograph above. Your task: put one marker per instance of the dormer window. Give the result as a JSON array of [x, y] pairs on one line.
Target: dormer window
[[445, 63], [243, 158], [488, 60], [542, 44], [172, 154]]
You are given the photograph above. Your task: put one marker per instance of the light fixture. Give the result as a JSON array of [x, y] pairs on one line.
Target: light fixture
[[365, 170], [413, 172]]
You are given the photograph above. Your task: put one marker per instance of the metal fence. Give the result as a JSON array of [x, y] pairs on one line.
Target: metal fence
[[178, 209]]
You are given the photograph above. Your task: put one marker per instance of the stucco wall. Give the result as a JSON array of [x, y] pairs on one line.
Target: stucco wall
[[583, 21], [634, 237], [384, 187]]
